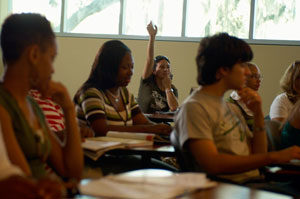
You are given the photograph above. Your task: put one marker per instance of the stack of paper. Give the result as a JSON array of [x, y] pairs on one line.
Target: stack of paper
[[146, 187]]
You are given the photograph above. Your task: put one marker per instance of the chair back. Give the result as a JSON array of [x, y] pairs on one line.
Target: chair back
[[273, 130], [182, 155]]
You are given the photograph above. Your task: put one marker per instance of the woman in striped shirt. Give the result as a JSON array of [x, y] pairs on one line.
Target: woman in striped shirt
[[104, 103]]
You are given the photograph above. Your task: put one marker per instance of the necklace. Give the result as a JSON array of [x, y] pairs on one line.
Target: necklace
[[116, 97]]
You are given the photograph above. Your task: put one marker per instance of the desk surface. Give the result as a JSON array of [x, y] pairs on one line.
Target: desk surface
[[221, 191], [156, 150], [158, 117]]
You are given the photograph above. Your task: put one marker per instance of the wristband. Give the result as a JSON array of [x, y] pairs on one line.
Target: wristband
[[169, 90]]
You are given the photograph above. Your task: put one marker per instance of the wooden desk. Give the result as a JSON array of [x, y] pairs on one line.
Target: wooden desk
[[158, 117], [221, 191]]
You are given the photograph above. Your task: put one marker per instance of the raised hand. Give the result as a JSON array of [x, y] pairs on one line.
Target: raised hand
[[152, 30]]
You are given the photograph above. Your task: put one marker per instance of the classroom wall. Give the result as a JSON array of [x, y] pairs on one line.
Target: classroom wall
[[76, 55]]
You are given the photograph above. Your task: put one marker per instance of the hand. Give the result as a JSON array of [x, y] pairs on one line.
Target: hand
[[286, 155], [86, 131], [251, 98], [59, 94], [152, 31], [16, 187], [49, 189], [167, 82]]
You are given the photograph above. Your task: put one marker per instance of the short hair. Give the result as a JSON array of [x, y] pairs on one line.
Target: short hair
[[219, 50], [290, 81], [105, 68], [22, 30], [158, 59]]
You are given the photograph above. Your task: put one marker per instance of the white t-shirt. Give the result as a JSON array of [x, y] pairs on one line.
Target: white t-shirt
[[202, 116], [281, 106], [6, 168]]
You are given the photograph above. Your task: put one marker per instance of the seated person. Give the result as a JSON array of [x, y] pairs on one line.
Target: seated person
[[253, 82], [29, 49], [55, 117], [213, 131], [11, 177], [290, 134], [104, 103], [156, 91], [53, 113], [284, 102]]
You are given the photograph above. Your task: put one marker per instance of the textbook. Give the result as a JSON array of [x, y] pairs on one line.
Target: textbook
[[95, 147]]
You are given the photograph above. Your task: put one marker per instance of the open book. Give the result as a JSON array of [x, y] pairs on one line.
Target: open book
[[97, 146]]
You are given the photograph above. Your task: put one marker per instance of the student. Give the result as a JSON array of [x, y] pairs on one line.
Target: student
[[290, 134], [290, 84], [104, 103], [11, 177], [253, 82], [213, 131], [55, 117], [29, 49], [156, 91]]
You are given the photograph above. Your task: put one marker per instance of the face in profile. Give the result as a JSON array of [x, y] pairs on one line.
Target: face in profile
[[253, 79], [125, 70], [162, 69], [237, 75], [44, 69]]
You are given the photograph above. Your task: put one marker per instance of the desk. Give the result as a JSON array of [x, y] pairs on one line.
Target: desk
[[156, 151], [160, 117], [221, 191]]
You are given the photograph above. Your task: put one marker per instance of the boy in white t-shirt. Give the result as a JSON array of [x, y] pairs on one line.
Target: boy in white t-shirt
[[213, 131]]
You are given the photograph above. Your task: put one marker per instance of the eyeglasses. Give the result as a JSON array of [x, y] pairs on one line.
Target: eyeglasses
[[257, 77]]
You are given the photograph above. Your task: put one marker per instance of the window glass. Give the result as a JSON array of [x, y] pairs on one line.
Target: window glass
[[277, 19], [92, 16], [207, 17], [51, 9], [166, 14]]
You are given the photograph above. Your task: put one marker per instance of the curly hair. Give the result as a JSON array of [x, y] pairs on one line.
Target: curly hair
[[290, 81]]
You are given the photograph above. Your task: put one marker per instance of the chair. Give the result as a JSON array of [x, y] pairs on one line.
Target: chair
[[181, 155], [273, 130]]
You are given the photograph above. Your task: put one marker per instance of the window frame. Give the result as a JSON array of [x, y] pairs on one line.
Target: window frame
[[182, 38]]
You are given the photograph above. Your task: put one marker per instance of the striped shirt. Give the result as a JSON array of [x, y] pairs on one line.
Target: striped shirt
[[93, 104], [52, 111]]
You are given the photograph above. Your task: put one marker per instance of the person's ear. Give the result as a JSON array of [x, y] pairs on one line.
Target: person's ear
[[222, 72], [33, 54]]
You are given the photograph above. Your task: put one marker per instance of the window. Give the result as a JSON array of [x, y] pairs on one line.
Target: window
[[167, 14], [277, 19], [257, 21], [90, 16], [51, 9], [209, 17]]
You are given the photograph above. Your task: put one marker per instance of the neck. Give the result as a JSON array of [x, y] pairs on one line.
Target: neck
[[16, 82], [114, 90]]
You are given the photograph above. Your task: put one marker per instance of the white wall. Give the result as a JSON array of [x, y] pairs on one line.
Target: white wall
[[76, 55]]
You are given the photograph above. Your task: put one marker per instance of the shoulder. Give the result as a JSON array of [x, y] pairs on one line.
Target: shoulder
[[149, 79], [90, 93]]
